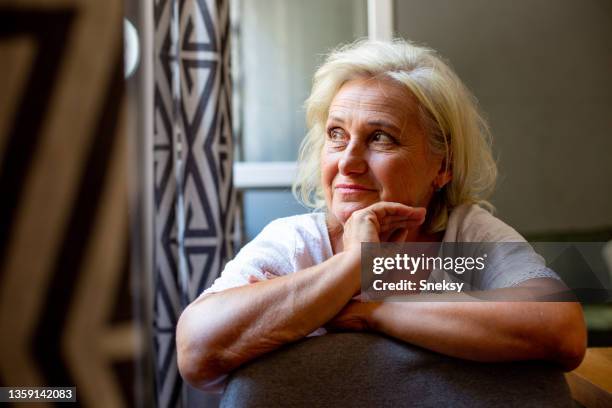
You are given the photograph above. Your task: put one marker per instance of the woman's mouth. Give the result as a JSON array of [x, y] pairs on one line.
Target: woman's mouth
[[353, 188]]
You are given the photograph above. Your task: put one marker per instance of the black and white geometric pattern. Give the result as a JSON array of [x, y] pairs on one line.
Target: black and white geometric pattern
[[194, 198]]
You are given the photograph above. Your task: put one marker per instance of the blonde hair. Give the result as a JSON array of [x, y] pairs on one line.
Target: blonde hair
[[447, 109]]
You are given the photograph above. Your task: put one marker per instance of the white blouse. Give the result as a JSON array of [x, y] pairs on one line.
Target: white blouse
[[290, 244]]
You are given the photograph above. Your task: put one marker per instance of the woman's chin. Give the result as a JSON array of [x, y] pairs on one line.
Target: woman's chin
[[344, 211]]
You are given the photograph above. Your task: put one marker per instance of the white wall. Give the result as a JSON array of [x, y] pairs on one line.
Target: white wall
[[542, 71], [281, 44]]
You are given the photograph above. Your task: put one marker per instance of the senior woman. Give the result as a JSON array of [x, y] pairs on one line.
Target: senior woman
[[396, 152]]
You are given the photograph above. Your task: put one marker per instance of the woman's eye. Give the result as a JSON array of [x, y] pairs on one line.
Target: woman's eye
[[336, 135], [381, 137]]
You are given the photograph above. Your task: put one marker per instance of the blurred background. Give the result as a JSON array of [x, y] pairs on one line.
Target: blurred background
[[143, 143]]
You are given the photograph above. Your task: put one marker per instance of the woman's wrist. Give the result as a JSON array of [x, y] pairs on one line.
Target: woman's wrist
[[350, 261], [372, 313]]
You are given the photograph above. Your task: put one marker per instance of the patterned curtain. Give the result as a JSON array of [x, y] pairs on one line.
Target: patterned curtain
[[193, 196]]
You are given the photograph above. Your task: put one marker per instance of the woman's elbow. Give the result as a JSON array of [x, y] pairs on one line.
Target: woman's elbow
[[569, 336], [197, 361]]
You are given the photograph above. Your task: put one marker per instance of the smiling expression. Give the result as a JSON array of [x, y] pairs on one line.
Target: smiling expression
[[376, 149]]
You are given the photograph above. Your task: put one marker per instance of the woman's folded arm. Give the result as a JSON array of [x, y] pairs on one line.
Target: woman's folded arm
[[479, 330], [218, 332]]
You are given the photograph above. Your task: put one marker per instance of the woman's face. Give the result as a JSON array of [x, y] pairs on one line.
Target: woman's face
[[376, 150]]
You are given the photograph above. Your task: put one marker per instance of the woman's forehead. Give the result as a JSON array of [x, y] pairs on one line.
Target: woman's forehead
[[376, 96]]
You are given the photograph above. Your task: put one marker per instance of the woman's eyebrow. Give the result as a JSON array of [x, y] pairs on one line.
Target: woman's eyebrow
[[334, 118], [384, 124], [373, 122]]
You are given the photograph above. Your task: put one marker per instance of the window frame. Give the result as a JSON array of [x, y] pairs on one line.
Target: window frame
[[249, 175]]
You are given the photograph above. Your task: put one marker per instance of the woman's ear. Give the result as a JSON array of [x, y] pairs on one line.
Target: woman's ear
[[444, 176]]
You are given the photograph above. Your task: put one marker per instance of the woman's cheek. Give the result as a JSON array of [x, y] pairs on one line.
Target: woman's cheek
[[328, 172], [395, 179]]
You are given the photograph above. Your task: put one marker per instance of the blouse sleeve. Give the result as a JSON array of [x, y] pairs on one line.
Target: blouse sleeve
[[271, 251], [512, 264], [512, 260]]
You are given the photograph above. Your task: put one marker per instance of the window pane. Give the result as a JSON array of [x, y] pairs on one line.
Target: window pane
[[263, 206], [278, 45]]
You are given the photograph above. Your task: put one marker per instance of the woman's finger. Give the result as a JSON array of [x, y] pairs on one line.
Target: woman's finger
[[253, 279], [267, 275], [384, 236], [404, 236], [384, 209], [395, 218], [398, 235], [399, 225]]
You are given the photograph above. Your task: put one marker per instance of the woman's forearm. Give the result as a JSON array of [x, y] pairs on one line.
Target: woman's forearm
[[488, 331], [221, 331]]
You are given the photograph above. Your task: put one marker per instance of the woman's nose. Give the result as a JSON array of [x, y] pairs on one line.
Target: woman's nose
[[353, 160]]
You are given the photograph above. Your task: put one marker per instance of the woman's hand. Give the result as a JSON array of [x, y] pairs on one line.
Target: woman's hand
[[381, 222], [268, 275], [355, 316]]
